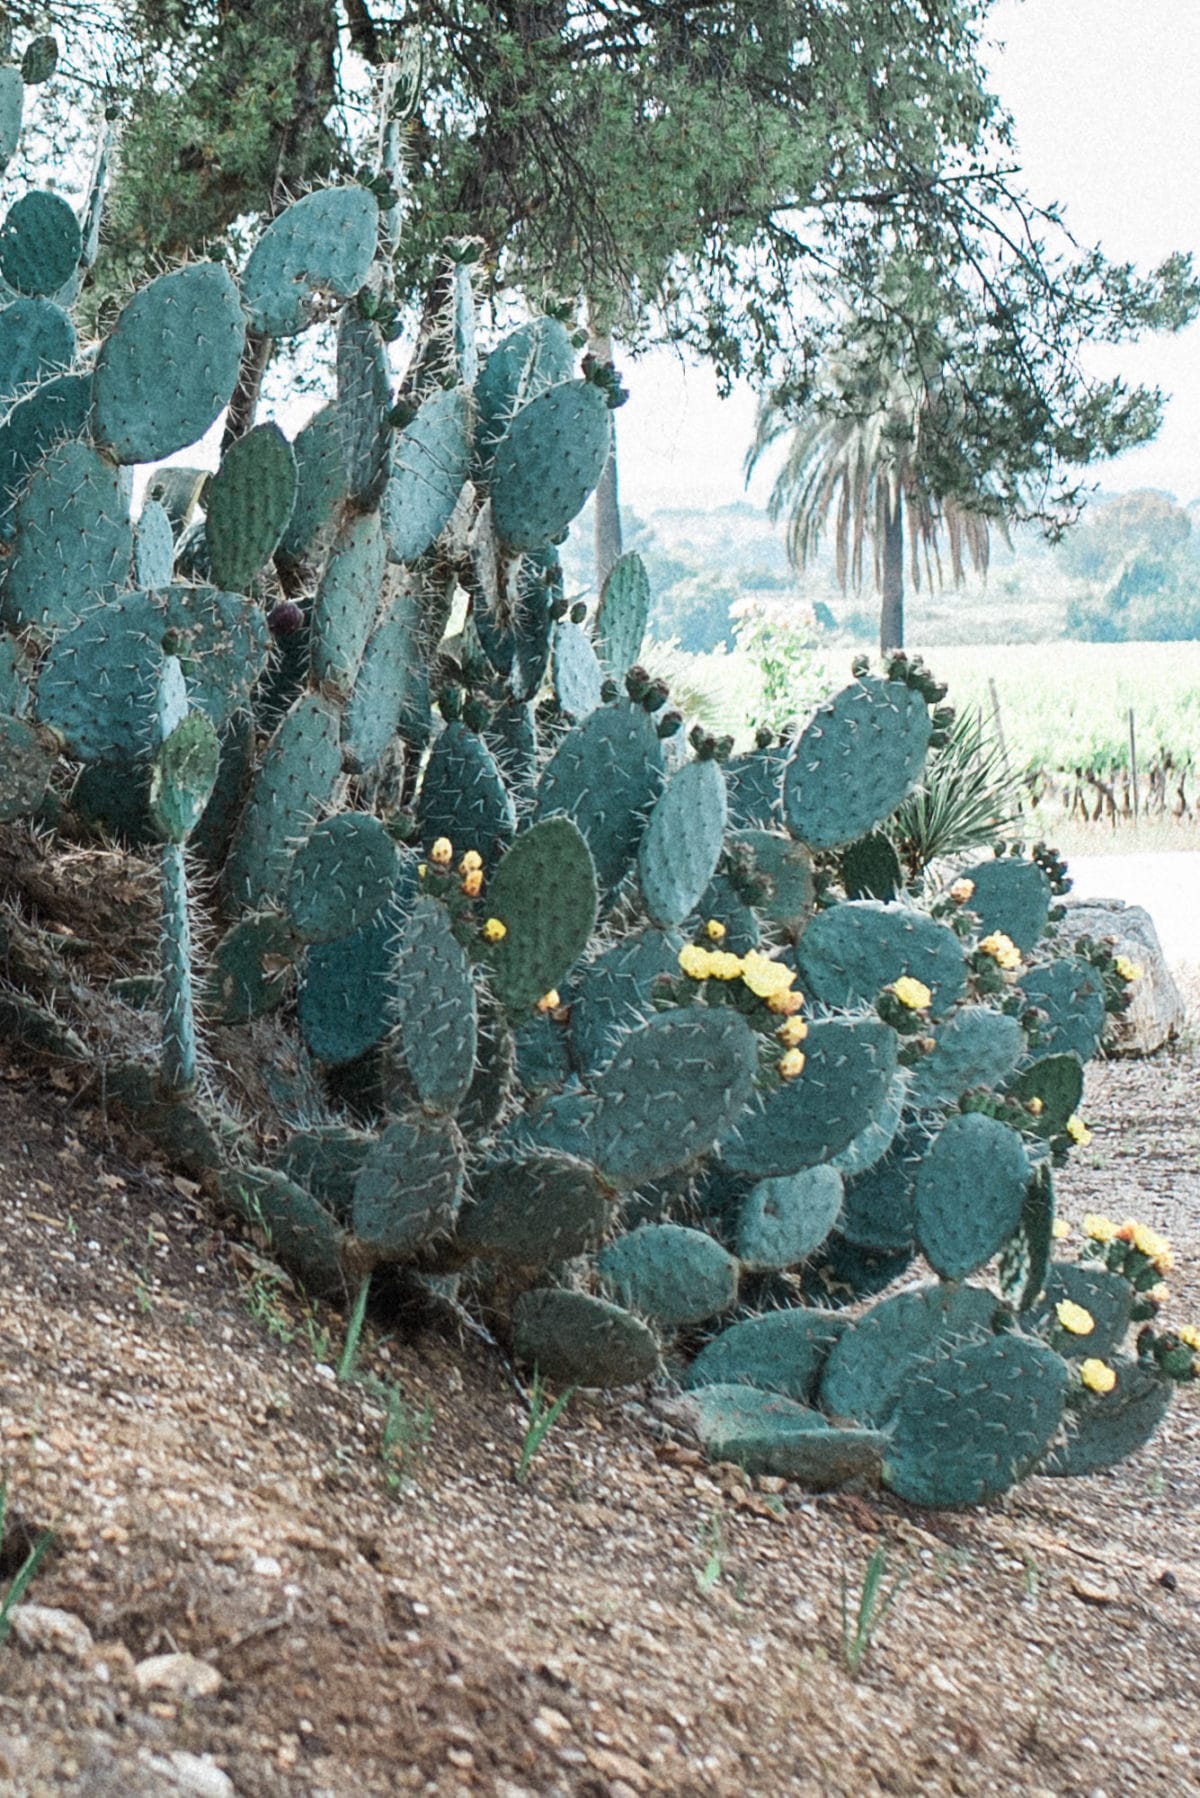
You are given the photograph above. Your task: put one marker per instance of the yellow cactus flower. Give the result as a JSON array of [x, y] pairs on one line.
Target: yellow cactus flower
[[1078, 1131], [471, 862], [791, 1032], [442, 852], [1002, 949], [1163, 1263], [549, 1001], [785, 1005], [912, 993], [1149, 1243], [1128, 970], [694, 962], [723, 966], [1035, 1105], [1096, 1375], [791, 1064], [422, 870], [765, 977], [472, 883], [1061, 1229], [962, 890], [1098, 1227], [1189, 1335], [1074, 1318], [494, 931], [715, 931], [1160, 1294]]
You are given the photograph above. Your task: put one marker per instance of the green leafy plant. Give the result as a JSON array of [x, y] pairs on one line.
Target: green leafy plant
[[345, 1367], [22, 1578], [968, 797], [860, 1629], [544, 1413], [713, 1541]]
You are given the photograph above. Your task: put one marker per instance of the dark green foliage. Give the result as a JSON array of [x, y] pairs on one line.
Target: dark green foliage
[[870, 868]]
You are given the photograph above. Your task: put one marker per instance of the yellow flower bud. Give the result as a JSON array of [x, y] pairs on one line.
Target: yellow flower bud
[[765, 977], [472, 883], [1128, 970], [494, 931], [791, 1064], [1099, 1228], [1189, 1335], [1035, 1105], [1160, 1293], [962, 890], [694, 962], [1074, 1318], [912, 993], [791, 1032], [422, 870], [723, 966], [785, 1005], [1098, 1376], [1061, 1230], [471, 862], [1078, 1131], [442, 852], [549, 1001], [715, 931]]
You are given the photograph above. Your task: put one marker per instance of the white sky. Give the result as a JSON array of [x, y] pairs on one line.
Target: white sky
[[1106, 98]]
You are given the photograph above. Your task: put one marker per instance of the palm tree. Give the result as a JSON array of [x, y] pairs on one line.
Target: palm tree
[[859, 456]]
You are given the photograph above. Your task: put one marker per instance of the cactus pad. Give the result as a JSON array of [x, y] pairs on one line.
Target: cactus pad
[[39, 243], [1013, 896], [681, 845], [578, 676], [430, 461], [535, 356], [1104, 1428], [544, 893], [536, 1212], [347, 600], [670, 1274], [861, 754], [342, 874], [1104, 1295], [573, 1338], [27, 757], [849, 1067], [322, 244], [782, 1221], [347, 990], [781, 1351], [71, 538], [435, 1001], [615, 990], [969, 1193], [248, 503], [766, 1433], [463, 796], [871, 1362], [548, 462], [1070, 992], [409, 1188], [299, 767], [975, 1047], [37, 339], [606, 774], [850, 951], [250, 964], [623, 614]]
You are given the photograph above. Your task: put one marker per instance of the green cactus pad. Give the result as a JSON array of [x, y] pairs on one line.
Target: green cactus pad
[[767, 1433], [296, 776], [183, 775], [781, 1351], [12, 107], [250, 966], [606, 774], [548, 462], [848, 1072], [301, 1233], [39, 244], [170, 366], [578, 676], [222, 641], [512, 738], [721, 903], [37, 339], [153, 548], [870, 868], [781, 873], [782, 1221], [623, 614], [430, 462], [71, 539], [347, 600], [1055, 1085], [40, 60], [840, 1273], [495, 1072], [681, 845], [341, 875], [536, 1212], [673, 1086], [670, 1274], [850, 952], [859, 756], [364, 405], [969, 1193], [541, 1051], [539, 587], [15, 673], [212, 835], [869, 1366], [1104, 1428], [575, 1339], [436, 1007], [976, 1047], [322, 244], [562, 1122], [1104, 1295], [878, 1212], [320, 486], [409, 1188], [615, 992], [391, 689], [177, 1062], [1071, 993], [544, 893], [1013, 896], [247, 505], [872, 1143], [177, 490], [463, 796], [325, 1160], [52, 414], [1025, 1258], [972, 1421], [535, 356], [754, 782], [347, 991], [97, 684], [27, 757]]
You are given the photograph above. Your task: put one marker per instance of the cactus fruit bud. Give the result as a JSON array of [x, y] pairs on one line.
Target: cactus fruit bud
[[637, 681], [285, 619], [609, 691], [442, 852], [669, 724], [656, 695], [578, 612], [494, 931]]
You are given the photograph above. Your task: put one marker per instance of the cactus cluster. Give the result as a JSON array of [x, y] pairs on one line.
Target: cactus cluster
[[531, 957]]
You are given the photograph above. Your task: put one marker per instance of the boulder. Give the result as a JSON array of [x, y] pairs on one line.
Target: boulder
[[1157, 1012]]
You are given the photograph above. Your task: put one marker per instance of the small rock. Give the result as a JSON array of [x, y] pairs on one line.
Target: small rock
[[1168, 1581], [196, 1774], [266, 1567], [182, 1675], [40, 1626]]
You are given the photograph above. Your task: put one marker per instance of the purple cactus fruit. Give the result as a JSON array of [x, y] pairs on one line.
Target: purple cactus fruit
[[285, 619]]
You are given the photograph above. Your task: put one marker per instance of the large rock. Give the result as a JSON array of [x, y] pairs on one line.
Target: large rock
[[1157, 1012]]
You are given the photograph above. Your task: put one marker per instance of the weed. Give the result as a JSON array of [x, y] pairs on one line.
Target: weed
[[264, 1302], [406, 1432], [542, 1419], [708, 1575], [1032, 1732], [873, 1606], [20, 1581], [345, 1368]]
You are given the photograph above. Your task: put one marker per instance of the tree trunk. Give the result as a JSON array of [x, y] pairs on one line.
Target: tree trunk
[[891, 610], [608, 543]]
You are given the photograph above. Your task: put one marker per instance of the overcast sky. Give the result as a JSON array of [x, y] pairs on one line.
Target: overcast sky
[[1106, 98]]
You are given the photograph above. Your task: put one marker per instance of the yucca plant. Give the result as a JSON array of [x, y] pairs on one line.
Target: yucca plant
[[968, 797]]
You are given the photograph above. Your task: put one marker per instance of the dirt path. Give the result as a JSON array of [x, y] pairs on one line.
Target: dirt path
[[382, 1609]]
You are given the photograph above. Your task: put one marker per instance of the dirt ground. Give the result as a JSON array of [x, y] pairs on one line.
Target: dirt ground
[[375, 1606]]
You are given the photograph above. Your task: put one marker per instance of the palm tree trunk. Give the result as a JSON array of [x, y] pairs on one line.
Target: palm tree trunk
[[891, 610], [608, 541]]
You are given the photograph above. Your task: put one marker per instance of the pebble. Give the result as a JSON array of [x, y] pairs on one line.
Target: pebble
[[199, 1776], [41, 1626], [183, 1675]]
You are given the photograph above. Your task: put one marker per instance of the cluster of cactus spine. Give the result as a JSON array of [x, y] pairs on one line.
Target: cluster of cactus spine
[[537, 953]]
